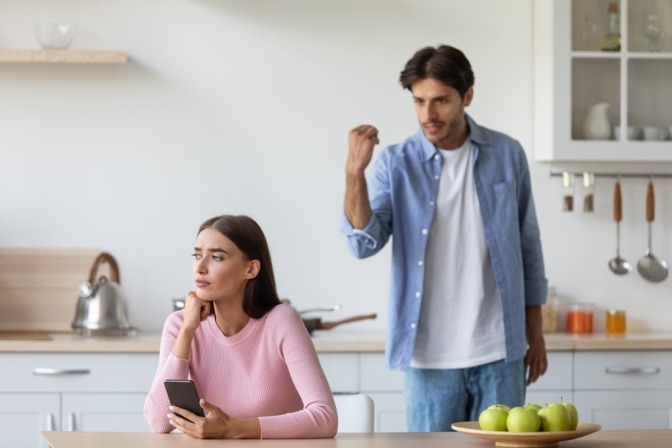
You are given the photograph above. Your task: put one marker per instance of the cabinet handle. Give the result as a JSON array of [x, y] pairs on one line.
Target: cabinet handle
[[54, 372], [633, 370], [72, 423], [51, 422]]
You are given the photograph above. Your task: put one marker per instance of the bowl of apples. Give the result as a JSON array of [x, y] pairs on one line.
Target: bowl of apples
[[531, 425]]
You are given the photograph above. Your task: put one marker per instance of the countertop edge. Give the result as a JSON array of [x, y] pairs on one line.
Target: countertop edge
[[332, 342]]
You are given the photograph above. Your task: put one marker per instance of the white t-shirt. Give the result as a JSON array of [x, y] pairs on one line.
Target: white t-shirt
[[461, 320]]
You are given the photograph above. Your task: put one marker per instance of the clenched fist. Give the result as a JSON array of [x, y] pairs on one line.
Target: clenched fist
[[361, 141]]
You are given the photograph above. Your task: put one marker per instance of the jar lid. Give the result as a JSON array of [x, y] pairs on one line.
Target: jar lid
[[616, 312], [581, 306]]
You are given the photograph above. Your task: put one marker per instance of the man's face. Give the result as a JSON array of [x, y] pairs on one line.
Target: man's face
[[440, 110]]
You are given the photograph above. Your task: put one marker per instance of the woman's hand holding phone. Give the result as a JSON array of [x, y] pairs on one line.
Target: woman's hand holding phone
[[215, 425]]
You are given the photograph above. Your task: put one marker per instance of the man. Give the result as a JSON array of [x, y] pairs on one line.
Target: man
[[468, 276]]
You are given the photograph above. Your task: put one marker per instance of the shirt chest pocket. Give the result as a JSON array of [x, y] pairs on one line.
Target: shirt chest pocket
[[505, 205]]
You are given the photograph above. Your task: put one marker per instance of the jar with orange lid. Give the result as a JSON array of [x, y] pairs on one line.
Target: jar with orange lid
[[616, 321], [580, 318]]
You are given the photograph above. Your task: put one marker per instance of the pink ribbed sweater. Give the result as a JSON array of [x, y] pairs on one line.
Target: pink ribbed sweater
[[268, 370]]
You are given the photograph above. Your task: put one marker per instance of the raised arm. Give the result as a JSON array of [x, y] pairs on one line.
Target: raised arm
[[361, 142]]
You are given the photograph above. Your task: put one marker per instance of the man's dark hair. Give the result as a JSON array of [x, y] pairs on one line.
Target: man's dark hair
[[443, 63]]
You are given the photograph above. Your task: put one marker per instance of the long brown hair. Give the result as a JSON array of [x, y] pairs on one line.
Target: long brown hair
[[260, 294], [444, 63]]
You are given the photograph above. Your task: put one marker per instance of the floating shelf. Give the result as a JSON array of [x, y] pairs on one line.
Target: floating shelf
[[63, 56]]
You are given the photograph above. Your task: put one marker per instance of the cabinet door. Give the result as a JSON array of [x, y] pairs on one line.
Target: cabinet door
[[631, 409], [644, 369], [342, 371], [558, 376], [104, 412], [76, 372], [23, 416], [375, 377], [573, 75]]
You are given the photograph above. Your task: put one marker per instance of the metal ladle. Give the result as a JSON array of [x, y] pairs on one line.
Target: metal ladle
[[650, 267], [618, 265]]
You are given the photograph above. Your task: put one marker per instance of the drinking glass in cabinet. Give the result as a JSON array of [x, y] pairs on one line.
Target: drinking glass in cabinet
[[653, 32]]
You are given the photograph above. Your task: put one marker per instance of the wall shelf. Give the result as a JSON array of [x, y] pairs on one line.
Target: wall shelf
[[63, 57]]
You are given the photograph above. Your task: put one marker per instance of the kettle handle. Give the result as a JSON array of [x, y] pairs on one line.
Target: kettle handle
[[104, 257]]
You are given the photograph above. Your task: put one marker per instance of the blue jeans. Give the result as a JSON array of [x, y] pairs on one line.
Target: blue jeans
[[437, 398]]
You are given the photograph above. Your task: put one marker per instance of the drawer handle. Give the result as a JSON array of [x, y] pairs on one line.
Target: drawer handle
[[633, 370], [56, 372]]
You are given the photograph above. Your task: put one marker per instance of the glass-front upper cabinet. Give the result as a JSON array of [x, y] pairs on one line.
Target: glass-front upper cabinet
[[603, 80]]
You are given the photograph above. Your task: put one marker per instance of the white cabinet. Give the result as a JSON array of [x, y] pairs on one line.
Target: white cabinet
[[556, 383], [386, 388], [350, 373], [342, 371], [571, 74], [24, 415], [624, 389], [626, 409], [104, 412], [72, 392], [366, 373]]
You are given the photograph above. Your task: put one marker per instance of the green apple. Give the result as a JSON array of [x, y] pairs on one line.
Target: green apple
[[493, 419], [554, 417], [534, 406], [573, 414], [522, 419], [499, 406]]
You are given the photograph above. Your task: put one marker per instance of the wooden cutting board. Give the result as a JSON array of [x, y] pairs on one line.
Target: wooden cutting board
[[10, 335], [38, 286]]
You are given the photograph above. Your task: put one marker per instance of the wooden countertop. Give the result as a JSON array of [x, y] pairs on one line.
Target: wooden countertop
[[332, 341], [660, 438]]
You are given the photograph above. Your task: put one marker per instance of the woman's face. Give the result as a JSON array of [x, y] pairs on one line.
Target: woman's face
[[220, 268]]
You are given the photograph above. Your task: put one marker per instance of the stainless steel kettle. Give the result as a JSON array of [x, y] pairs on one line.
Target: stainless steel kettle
[[102, 305]]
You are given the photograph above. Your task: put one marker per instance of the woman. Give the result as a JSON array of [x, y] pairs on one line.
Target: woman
[[250, 356]]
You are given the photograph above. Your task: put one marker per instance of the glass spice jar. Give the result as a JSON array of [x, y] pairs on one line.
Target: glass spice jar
[[568, 191], [616, 321], [589, 192], [580, 318]]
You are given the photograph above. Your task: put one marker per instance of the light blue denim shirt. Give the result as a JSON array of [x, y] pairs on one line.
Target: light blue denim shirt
[[403, 186]]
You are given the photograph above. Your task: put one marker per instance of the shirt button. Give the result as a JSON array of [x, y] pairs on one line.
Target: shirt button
[[420, 263], [424, 231], [413, 325], [436, 157], [418, 294], [431, 203], [436, 177]]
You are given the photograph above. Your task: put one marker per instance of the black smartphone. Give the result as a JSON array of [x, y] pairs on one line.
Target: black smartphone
[[183, 394]]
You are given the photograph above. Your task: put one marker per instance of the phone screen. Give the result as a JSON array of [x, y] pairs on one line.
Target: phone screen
[[183, 394]]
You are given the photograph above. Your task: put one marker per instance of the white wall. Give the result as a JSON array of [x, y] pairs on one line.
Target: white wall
[[244, 107]]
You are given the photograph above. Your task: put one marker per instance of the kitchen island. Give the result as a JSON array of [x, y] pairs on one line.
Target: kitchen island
[[601, 439]]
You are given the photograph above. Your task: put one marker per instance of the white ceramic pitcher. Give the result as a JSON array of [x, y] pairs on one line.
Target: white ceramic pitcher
[[596, 125]]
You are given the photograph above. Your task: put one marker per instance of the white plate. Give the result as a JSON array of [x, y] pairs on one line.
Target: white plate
[[525, 439]]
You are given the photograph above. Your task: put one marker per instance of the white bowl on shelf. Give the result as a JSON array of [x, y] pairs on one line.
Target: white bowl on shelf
[[55, 35]]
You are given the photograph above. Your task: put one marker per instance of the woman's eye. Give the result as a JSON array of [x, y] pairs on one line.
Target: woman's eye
[[217, 258], [197, 256]]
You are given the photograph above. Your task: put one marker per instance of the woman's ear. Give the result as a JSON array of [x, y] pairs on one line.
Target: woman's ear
[[253, 267]]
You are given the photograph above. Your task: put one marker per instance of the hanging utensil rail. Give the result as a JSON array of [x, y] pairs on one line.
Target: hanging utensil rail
[[614, 175]]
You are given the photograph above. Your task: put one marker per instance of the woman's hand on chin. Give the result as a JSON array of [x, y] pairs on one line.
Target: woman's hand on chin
[[195, 311], [215, 425]]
